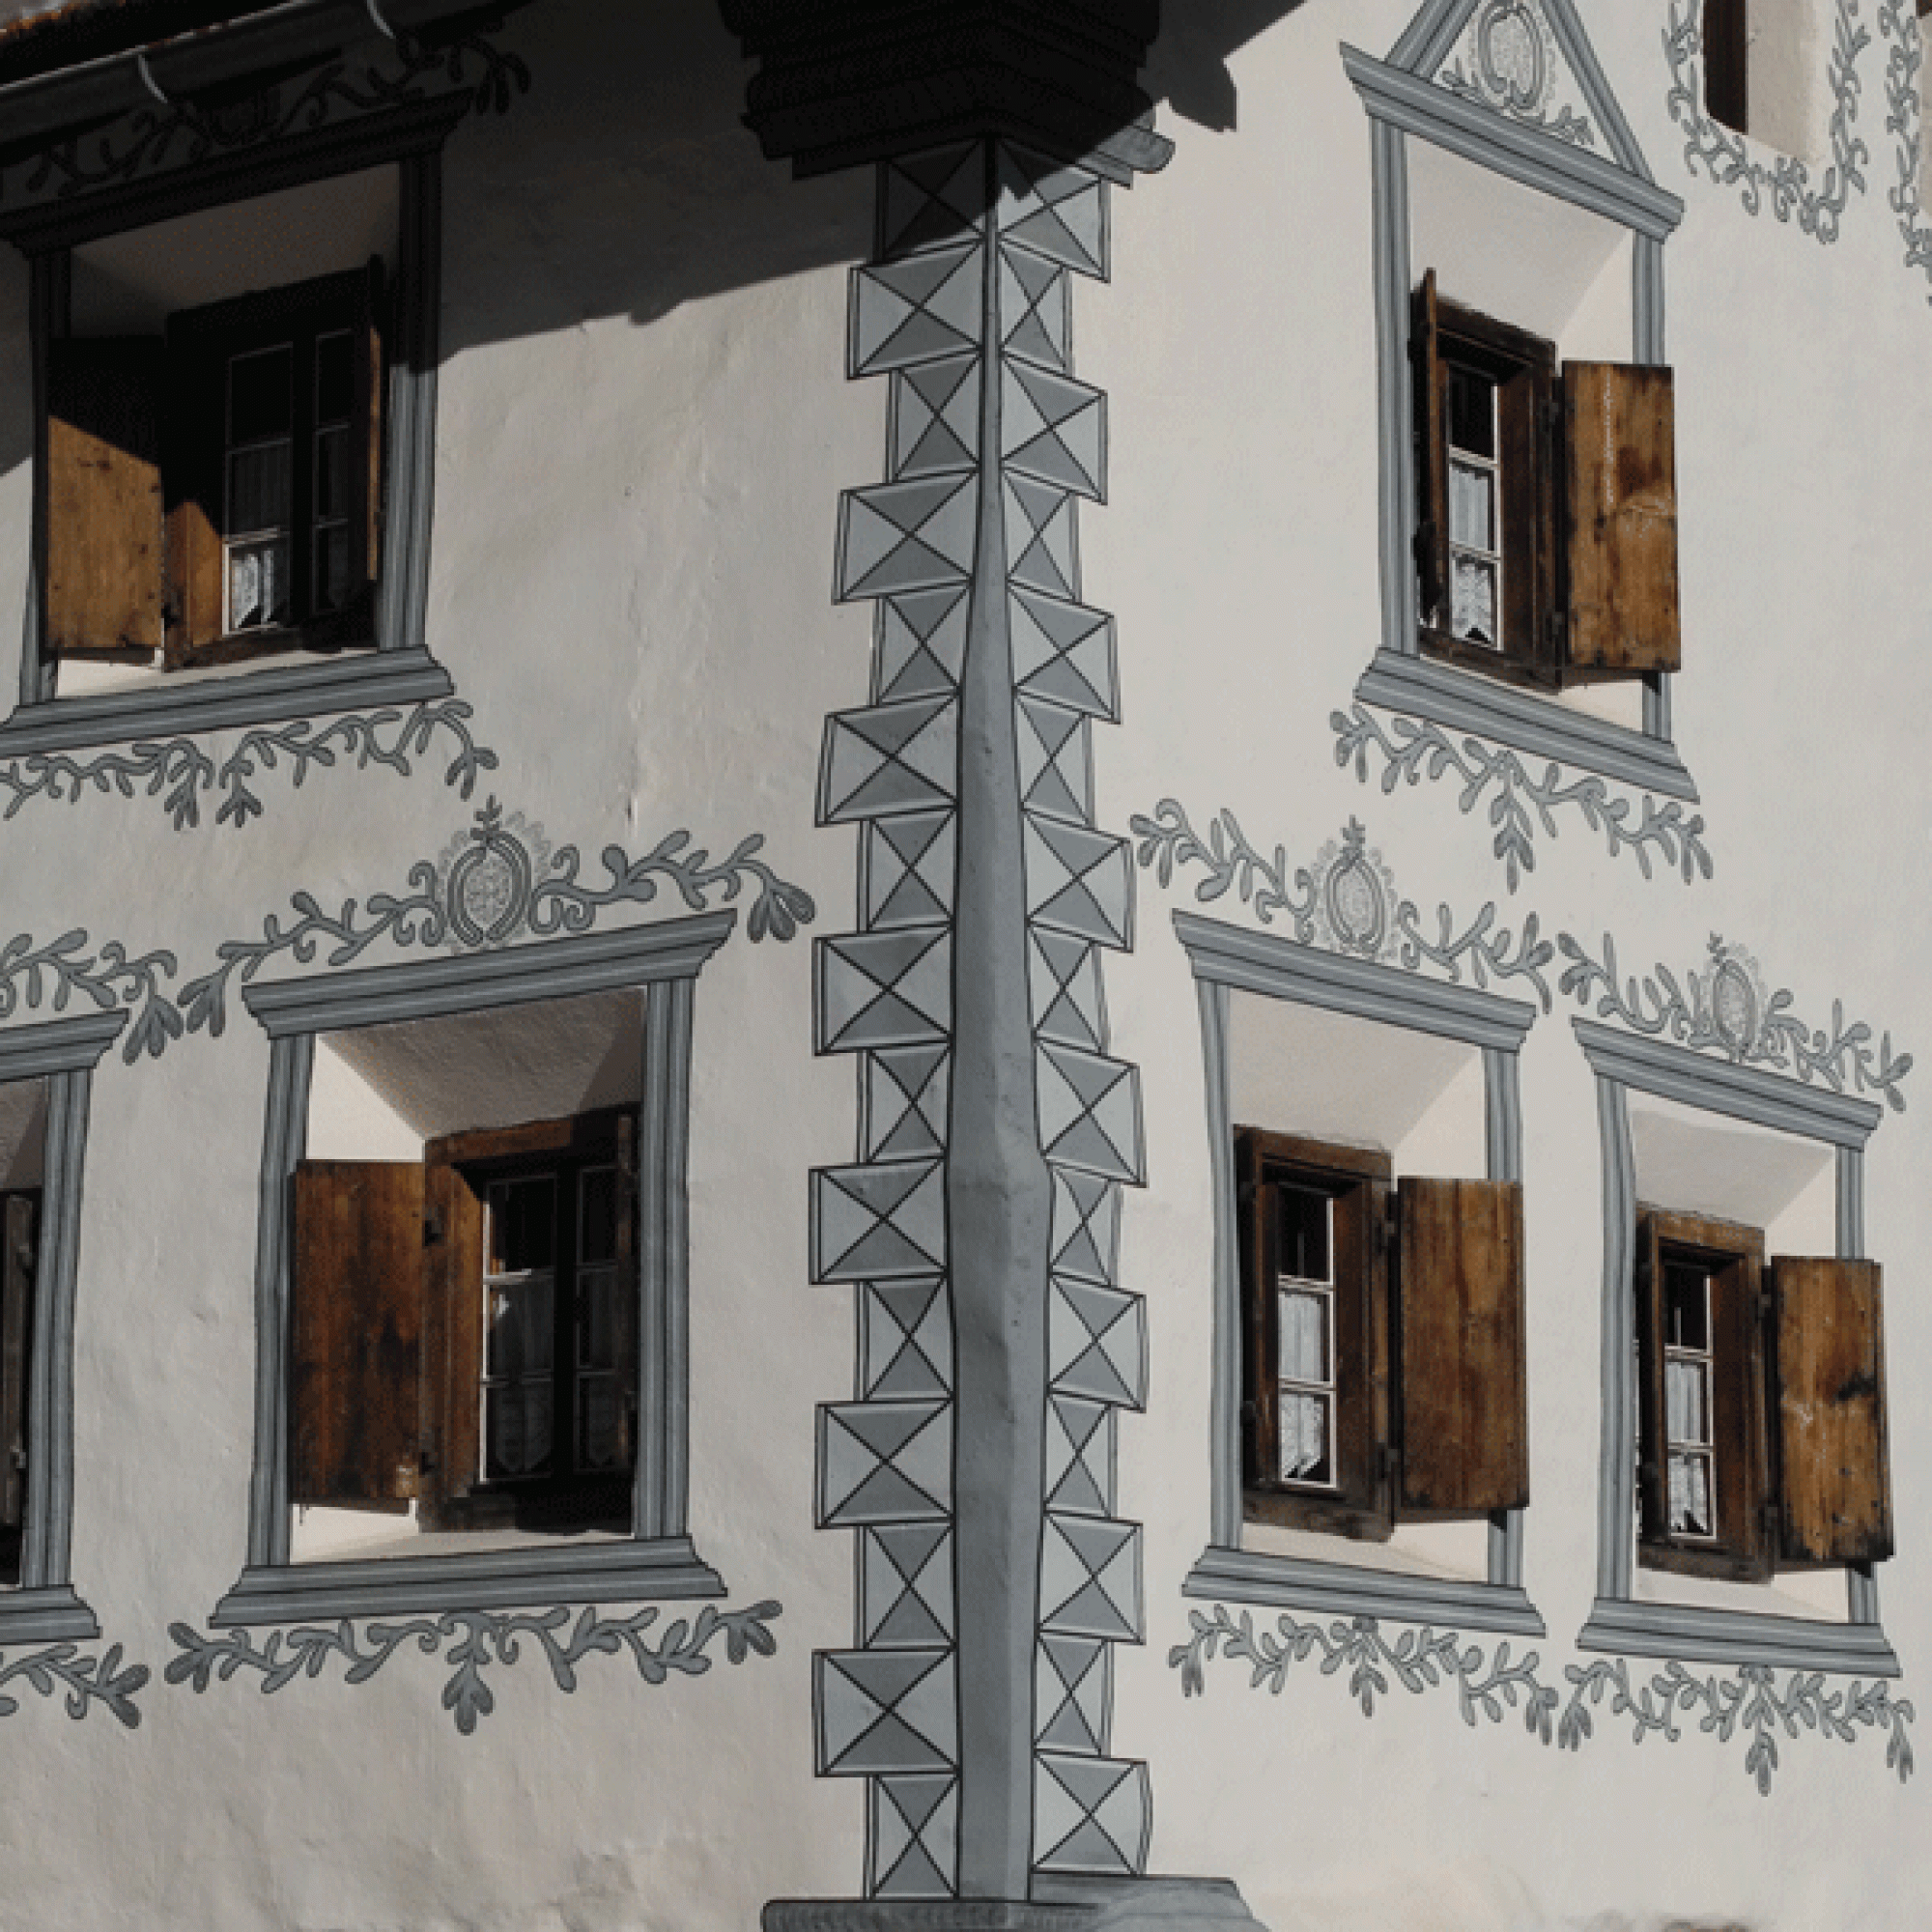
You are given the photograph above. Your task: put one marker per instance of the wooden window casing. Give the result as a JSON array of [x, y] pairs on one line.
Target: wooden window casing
[[390, 1340], [1582, 462], [1798, 1430], [1427, 1342]]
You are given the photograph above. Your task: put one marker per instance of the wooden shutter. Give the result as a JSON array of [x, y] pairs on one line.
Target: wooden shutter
[[455, 1324], [1432, 455], [356, 1366], [1620, 518], [105, 533], [19, 1261], [1830, 1411], [1464, 1415]]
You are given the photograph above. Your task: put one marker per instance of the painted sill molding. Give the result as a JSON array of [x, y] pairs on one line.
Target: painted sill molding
[[473, 1641], [1437, 742], [1748, 1704], [1784, 184], [517, 886]]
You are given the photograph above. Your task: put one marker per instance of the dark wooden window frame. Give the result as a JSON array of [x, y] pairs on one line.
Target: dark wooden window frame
[[19, 1267]]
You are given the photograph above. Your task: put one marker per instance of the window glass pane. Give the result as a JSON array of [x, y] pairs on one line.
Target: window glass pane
[[1690, 1496], [1687, 1307], [1303, 1233], [518, 1328], [516, 1430], [1304, 1337], [599, 1441], [597, 1318], [522, 1224], [1472, 506], [258, 490], [1304, 1438], [1473, 599], [332, 473], [331, 569], [597, 1237], [258, 583], [260, 395], [1687, 1401], [334, 378], [1472, 411]]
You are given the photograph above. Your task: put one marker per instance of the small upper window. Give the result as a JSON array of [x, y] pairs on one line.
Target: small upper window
[[215, 494], [1384, 1358], [1727, 62], [1546, 528], [1761, 1438]]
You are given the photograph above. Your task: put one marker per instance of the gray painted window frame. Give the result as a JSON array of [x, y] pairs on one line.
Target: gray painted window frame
[[1402, 106], [1228, 958], [399, 670], [659, 1558], [1625, 1062], [45, 1608]]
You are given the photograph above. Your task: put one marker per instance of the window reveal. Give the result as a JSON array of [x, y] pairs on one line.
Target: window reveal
[[20, 1251], [1382, 1352], [1545, 534]]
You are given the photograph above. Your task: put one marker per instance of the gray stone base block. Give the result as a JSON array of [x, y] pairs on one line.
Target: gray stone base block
[[1061, 1905]]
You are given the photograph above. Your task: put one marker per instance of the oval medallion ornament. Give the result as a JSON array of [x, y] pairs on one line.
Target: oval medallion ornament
[[1510, 54], [488, 887], [1734, 1006], [1357, 908]]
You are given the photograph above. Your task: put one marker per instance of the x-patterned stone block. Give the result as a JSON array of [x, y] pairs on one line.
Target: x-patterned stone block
[[887, 1218], [905, 1586], [903, 1110], [905, 1340], [1053, 429], [932, 200], [915, 1836], [883, 989], [888, 759], [915, 535], [884, 1461], [1070, 1002], [1091, 1814], [1064, 651], [1090, 1578], [1055, 210], [922, 643], [1090, 1113], [1097, 1342], [1073, 1694], [915, 310], [1080, 1456], [886, 1711], [1085, 1228], [1079, 882]]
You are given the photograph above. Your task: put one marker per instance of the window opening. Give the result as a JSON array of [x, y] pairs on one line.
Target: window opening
[[1307, 1337]]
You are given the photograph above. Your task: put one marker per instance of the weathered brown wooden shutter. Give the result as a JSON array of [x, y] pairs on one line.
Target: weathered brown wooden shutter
[[104, 535], [1464, 1414], [455, 1324], [356, 1358], [1432, 455], [20, 1259], [1620, 513], [1831, 1429]]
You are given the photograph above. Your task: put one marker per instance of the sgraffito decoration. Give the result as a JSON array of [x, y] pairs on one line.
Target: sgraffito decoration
[[1347, 901], [84, 1681], [1520, 803], [1785, 182], [1509, 60], [179, 133], [1904, 62], [970, 778], [1726, 1007], [477, 1640], [178, 773], [500, 881], [1750, 1703]]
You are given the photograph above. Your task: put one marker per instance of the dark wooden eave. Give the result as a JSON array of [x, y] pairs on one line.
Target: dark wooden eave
[[843, 82]]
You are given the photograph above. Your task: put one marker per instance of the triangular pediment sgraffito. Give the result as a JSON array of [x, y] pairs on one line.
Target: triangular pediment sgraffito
[[1529, 61]]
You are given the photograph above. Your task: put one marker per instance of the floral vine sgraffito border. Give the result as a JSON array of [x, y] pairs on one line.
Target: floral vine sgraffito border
[[1750, 1703], [1785, 182], [1413, 749], [180, 133], [498, 881], [477, 1640], [1904, 116], [84, 1681], [180, 773], [1346, 901], [1727, 1008]]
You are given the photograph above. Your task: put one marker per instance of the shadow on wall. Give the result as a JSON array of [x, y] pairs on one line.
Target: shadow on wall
[[658, 107]]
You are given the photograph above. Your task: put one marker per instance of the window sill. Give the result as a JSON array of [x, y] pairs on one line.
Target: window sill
[[50, 1615], [1691, 1633], [221, 703], [1465, 700], [1350, 1590], [620, 1572]]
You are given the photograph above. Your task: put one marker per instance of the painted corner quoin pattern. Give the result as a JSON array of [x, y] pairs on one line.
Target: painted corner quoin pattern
[[981, 1226]]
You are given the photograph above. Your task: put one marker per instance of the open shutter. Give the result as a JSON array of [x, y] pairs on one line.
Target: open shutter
[[355, 1342], [1620, 514], [1651, 1478], [1432, 455], [104, 533], [1830, 1411], [1464, 1417], [455, 1324], [19, 1236]]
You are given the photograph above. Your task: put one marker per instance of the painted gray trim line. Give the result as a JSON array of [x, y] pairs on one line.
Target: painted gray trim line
[[1261, 962], [1525, 154], [1744, 1092], [1350, 1590], [550, 969], [624, 1571], [1224, 957], [658, 1558], [1467, 701], [369, 678], [1698, 1636]]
